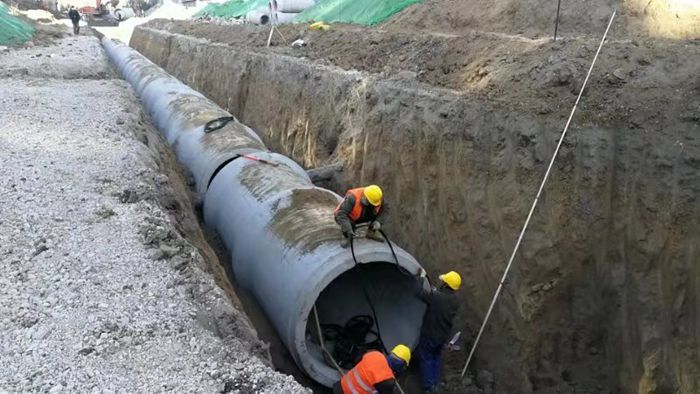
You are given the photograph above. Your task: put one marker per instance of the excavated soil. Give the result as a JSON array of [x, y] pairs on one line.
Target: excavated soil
[[520, 74], [458, 128], [535, 18]]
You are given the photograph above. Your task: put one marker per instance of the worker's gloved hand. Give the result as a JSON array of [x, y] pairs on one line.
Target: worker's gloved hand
[[350, 234], [375, 226]]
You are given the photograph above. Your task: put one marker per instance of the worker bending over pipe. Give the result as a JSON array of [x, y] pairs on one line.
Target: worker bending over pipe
[[375, 373], [361, 205]]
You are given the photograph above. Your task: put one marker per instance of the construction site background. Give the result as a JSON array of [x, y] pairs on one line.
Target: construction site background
[[454, 107]]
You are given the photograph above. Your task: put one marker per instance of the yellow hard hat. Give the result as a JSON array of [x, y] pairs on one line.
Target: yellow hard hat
[[373, 193], [452, 279], [403, 352]]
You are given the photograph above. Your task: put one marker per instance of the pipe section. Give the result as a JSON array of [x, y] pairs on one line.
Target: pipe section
[[284, 18], [121, 14], [291, 6], [277, 226], [261, 16], [281, 18]]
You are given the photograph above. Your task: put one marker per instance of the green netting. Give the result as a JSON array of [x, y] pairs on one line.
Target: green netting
[[361, 12], [12, 29], [231, 9]]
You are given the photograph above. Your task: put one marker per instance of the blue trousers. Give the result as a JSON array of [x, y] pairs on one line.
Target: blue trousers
[[429, 362]]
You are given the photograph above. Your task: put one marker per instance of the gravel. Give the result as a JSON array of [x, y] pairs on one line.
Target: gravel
[[68, 58], [100, 290]]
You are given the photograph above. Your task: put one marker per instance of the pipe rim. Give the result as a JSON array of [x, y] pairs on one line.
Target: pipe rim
[[367, 252]]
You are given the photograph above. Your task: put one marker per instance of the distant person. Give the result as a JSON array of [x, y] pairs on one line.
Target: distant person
[[139, 9], [375, 373], [361, 205], [74, 16], [442, 305]]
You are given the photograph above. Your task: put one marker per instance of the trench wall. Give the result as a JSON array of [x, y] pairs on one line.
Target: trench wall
[[604, 294]]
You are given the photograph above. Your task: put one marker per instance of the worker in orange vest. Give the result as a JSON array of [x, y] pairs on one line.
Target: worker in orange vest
[[361, 205], [375, 373]]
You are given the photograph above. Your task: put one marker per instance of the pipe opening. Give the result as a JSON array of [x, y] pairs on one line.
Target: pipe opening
[[264, 19], [348, 322]]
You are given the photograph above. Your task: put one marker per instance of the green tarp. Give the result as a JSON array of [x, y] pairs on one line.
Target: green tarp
[[12, 29], [231, 9], [361, 12]]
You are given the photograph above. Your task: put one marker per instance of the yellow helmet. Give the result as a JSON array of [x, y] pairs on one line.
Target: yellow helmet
[[402, 352], [452, 279], [373, 193]]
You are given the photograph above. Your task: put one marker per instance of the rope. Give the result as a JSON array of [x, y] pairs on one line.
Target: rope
[[556, 22], [534, 203], [323, 345]]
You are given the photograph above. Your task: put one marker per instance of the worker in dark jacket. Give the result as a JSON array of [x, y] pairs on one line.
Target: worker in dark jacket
[[375, 373], [437, 325], [74, 16], [361, 205]]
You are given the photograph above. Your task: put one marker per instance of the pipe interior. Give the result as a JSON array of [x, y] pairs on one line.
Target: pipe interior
[[398, 310]]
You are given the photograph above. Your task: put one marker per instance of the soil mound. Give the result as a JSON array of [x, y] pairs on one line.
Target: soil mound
[[535, 18]]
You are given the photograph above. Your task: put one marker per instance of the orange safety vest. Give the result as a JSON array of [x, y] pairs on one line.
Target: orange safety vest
[[357, 208], [372, 369]]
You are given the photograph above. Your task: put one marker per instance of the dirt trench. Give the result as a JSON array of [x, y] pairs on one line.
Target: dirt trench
[[604, 293]]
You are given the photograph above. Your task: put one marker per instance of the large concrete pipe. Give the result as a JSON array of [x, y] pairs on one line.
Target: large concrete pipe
[[260, 16], [277, 226], [122, 14], [292, 6], [284, 18]]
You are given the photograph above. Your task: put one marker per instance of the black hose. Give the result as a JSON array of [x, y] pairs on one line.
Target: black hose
[[396, 259], [367, 297], [350, 342]]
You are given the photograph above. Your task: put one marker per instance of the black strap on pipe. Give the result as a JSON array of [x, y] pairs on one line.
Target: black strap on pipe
[[216, 124]]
